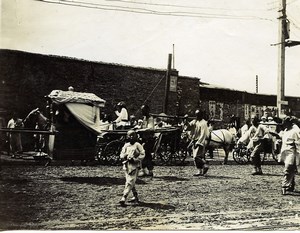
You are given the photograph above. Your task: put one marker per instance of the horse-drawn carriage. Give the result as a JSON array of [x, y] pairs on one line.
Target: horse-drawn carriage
[[169, 147], [72, 131]]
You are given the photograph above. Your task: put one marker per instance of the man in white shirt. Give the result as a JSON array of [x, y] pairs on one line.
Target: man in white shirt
[[290, 154], [199, 135]]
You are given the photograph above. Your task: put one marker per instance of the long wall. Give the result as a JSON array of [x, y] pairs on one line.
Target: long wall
[[26, 78]]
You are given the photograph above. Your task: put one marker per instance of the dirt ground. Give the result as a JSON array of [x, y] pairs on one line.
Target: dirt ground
[[74, 197]]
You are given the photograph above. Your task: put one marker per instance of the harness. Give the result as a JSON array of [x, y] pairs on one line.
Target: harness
[[222, 140]]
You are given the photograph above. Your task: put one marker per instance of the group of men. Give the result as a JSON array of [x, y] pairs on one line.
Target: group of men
[[261, 137], [261, 134]]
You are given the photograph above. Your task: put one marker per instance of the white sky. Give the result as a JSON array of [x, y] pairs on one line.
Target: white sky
[[228, 43]]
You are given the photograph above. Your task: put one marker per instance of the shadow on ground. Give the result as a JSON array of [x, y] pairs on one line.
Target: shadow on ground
[[98, 180]]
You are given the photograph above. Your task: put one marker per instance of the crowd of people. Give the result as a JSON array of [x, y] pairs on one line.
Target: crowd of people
[[257, 134], [261, 136]]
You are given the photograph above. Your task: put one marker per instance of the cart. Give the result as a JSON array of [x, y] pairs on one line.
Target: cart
[[168, 149]]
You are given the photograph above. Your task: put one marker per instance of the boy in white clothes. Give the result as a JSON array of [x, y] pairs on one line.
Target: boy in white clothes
[[132, 153]]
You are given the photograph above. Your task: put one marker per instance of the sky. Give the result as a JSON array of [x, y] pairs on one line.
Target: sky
[[221, 42]]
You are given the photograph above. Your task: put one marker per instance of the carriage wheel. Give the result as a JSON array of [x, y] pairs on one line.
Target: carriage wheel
[[275, 157], [164, 152], [264, 157], [99, 154], [180, 155], [112, 152], [241, 156]]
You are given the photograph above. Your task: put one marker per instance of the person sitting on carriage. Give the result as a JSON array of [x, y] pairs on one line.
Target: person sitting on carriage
[[244, 128], [132, 121], [247, 138], [132, 154], [139, 124], [199, 135], [104, 123], [122, 115]]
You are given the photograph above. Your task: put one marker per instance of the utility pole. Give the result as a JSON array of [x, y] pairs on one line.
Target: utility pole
[[173, 56], [281, 56], [167, 84], [256, 84]]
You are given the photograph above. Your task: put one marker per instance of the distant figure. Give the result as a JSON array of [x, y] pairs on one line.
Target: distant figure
[[232, 130], [244, 128], [132, 120], [132, 154], [104, 123], [139, 124], [70, 88], [263, 120], [15, 138]]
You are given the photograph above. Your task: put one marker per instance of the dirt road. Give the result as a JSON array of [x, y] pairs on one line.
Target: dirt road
[[86, 198]]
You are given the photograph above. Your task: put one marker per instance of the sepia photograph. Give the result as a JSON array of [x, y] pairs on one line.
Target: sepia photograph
[[150, 115]]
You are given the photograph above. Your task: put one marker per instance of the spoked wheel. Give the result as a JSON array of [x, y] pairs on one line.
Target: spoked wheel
[[111, 152], [241, 155], [265, 156], [99, 154], [180, 155], [275, 157], [164, 152]]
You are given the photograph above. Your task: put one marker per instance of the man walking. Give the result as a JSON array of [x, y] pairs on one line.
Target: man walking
[[199, 134]]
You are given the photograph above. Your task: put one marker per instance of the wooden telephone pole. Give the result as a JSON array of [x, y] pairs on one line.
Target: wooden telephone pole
[[281, 60], [167, 83]]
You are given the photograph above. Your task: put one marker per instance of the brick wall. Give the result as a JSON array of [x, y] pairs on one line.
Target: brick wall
[[26, 78]]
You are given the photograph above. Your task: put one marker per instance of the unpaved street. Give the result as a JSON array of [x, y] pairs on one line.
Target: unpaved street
[[77, 197]]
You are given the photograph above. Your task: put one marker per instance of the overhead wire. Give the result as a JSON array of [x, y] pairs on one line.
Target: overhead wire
[[181, 6], [149, 11]]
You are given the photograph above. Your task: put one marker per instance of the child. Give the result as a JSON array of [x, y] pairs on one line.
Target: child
[[132, 153]]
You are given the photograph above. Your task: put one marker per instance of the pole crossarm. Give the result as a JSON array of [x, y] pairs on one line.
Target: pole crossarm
[[291, 43]]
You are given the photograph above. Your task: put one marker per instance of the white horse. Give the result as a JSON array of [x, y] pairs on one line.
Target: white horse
[[221, 138], [36, 120]]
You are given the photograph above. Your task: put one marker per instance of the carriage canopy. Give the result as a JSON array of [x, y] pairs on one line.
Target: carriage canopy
[[62, 97], [85, 107]]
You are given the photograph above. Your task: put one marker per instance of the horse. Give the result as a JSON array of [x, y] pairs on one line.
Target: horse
[[221, 138], [36, 120]]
